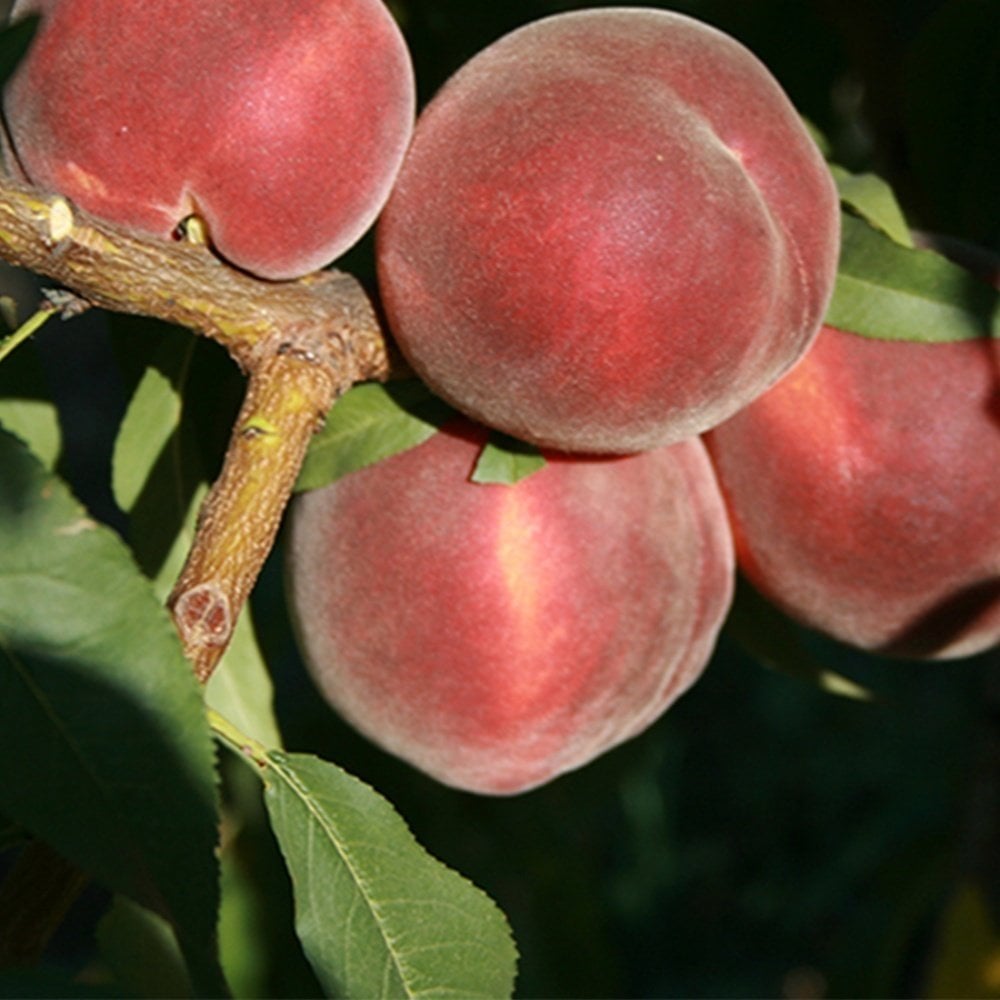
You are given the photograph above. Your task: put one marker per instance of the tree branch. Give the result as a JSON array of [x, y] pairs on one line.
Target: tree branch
[[302, 343]]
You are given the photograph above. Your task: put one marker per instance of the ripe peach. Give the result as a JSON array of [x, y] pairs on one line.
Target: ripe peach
[[282, 125], [864, 491], [498, 636], [611, 231]]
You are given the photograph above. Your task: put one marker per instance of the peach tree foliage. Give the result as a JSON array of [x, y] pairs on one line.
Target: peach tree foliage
[[106, 739]]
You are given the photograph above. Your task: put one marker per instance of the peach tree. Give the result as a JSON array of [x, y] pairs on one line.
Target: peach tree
[[525, 378]]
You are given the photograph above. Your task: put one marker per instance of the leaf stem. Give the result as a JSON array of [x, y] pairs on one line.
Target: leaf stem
[[237, 740], [24, 331]]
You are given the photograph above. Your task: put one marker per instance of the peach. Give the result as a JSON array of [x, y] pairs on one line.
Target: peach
[[498, 636], [611, 231], [864, 491], [281, 125]]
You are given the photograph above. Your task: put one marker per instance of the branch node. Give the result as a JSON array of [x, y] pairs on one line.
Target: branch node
[[61, 300], [203, 616], [61, 221]]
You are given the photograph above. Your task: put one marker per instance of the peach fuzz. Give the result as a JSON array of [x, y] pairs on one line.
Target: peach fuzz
[[864, 491], [494, 636], [282, 125], [611, 231]]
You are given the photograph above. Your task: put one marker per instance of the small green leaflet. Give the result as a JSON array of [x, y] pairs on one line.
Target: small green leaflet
[[369, 423], [873, 199], [376, 914], [506, 461], [891, 292]]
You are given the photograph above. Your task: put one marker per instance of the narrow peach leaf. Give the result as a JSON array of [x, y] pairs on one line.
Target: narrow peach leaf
[[376, 914]]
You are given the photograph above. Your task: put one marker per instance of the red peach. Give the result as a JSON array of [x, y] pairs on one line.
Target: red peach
[[611, 231], [864, 491], [282, 125], [498, 636]]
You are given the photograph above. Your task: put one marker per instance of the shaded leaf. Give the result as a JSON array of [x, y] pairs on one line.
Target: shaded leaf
[[105, 753], [506, 461], [142, 953], [14, 42], [966, 960], [369, 423], [243, 930], [376, 914], [774, 641], [890, 292]]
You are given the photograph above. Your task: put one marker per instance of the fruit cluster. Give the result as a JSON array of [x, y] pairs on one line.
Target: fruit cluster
[[608, 234]]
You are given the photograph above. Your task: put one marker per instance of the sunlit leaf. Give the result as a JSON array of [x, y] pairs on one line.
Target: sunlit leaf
[[506, 461], [105, 753], [26, 408], [152, 418], [157, 474], [890, 292], [369, 423], [376, 914], [874, 200], [241, 688]]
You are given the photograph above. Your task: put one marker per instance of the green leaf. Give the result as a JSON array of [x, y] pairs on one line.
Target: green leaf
[[158, 477], [14, 42], [774, 641], [240, 688], [369, 423], [150, 422], [142, 952], [243, 926], [105, 753], [26, 408], [376, 914], [506, 461], [967, 949], [874, 200], [890, 292], [158, 480]]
